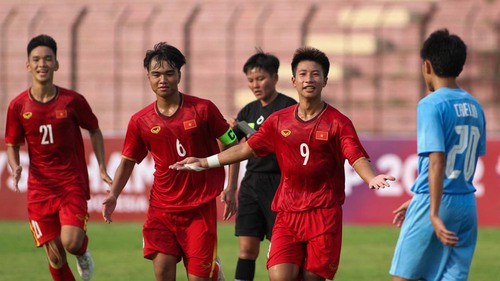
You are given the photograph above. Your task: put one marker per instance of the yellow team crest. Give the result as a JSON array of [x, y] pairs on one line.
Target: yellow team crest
[[155, 129], [286, 133], [27, 115]]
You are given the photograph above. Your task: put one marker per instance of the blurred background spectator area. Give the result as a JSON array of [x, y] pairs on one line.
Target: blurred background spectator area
[[373, 45]]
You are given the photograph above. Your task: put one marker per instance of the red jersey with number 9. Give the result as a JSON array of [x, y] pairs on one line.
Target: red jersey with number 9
[[55, 144], [311, 156]]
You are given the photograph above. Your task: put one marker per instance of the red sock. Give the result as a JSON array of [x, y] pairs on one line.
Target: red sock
[[83, 249], [62, 274]]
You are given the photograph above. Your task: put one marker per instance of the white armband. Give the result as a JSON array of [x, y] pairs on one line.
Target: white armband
[[213, 161]]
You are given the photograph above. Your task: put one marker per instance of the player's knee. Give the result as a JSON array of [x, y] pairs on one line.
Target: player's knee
[[249, 251], [164, 267], [73, 246], [72, 238], [249, 254]]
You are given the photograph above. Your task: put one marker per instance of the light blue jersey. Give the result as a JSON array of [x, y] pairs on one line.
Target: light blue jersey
[[450, 121]]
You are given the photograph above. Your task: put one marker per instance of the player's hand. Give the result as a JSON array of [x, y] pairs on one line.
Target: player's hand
[[449, 238], [105, 177], [400, 214], [16, 176], [228, 196], [380, 181], [232, 122], [108, 207], [188, 164]]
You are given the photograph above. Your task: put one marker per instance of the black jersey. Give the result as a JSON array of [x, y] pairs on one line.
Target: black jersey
[[255, 114]]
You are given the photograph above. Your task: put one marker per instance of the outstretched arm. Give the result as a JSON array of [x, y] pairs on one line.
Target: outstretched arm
[[122, 175], [15, 164], [364, 169], [436, 176], [231, 155], [98, 145]]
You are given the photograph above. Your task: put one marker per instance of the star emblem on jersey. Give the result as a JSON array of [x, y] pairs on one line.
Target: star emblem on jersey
[[285, 133], [321, 135], [190, 124], [27, 115], [155, 129]]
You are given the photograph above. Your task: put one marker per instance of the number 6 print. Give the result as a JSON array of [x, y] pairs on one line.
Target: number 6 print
[[181, 151]]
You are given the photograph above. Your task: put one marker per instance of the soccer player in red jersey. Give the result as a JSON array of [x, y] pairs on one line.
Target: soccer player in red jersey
[[182, 217], [49, 118], [311, 141]]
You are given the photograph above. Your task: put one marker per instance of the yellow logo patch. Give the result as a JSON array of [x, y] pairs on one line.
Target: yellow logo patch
[[286, 133], [27, 115], [155, 129]]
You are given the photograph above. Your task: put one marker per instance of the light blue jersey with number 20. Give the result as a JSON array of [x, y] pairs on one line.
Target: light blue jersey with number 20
[[450, 121]]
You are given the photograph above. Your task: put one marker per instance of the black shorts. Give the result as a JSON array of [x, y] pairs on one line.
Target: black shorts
[[254, 216]]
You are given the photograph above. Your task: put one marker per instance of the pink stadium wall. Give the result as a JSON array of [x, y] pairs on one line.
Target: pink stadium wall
[[373, 46]]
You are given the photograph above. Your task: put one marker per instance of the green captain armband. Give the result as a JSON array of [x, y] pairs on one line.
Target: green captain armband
[[228, 137]]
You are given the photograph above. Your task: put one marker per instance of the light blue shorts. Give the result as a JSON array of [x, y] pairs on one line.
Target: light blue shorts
[[419, 255]]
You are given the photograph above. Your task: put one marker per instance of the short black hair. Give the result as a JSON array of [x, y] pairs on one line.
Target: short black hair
[[165, 52], [264, 61], [42, 40], [446, 52], [311, 54]]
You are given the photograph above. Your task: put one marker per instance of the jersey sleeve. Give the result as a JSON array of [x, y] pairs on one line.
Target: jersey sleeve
[[134, 147], [86, 118], [216, 121], [430, 134], [351, 146], [262, 142], [14, 132]]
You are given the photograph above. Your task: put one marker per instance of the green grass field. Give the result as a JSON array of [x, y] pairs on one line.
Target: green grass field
[[117, 252]]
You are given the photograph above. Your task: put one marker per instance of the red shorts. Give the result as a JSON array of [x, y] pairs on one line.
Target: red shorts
[[47, 217], [311, 239], [190, 235]]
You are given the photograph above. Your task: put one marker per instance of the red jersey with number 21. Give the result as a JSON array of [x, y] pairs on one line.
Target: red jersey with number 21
[[311, 156], [55, 144], [191, 131]]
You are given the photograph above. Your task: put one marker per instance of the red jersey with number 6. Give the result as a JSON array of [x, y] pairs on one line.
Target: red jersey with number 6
[[191, 131], [311, 156], [55, 144]]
